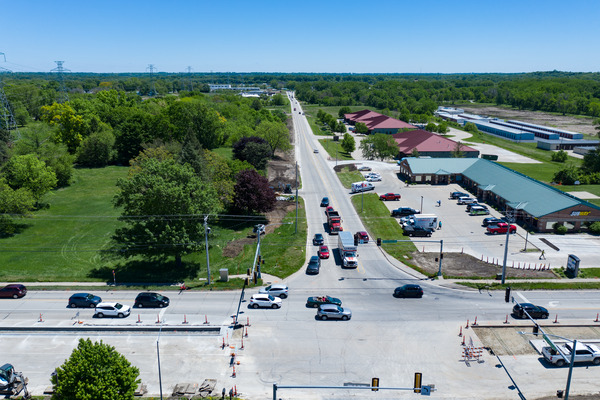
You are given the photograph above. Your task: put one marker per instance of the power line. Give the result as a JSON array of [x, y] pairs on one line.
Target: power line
[[152, 70]]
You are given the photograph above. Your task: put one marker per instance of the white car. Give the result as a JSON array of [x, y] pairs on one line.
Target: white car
[[112, 310], [583, 353], [264, 300], [315, 150], [373, 179], [364, 168], [276, 289]]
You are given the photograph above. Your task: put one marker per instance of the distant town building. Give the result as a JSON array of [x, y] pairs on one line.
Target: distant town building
[[377, 123], [429, 145]]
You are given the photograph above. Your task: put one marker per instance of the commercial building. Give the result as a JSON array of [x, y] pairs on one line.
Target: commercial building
[[377, 123], [533, 204], [429, 145]]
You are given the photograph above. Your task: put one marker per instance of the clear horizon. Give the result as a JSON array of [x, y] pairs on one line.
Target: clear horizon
[[313, 37]]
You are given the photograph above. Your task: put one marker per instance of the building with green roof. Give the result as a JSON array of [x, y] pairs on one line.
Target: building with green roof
[[531, 202]]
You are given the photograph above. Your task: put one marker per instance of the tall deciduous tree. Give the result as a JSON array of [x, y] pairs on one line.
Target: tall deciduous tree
[[252, 193], [276, 134], [362, 128], [379, 146], [348, 143], [199, 119], [162, 203], [458, 152], [30, 173], [96, 371], [71, 128], [343, 111]]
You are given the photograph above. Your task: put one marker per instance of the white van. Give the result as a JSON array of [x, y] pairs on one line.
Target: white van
[[466, 200]]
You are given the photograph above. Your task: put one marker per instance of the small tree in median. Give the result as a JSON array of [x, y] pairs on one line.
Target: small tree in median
[[348, 143], [95, 371]]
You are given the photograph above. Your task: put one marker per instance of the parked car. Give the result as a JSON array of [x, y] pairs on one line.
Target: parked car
[[583, 353], [492, 221], [390, 196], [466, 200], [112, 310], [476, 210], [276, 289], [264, 300], [87, 300], [323, 252], [501, 227], [14, 290], [373, 179], [372, 174], [471, 205], [316, 301], [362, 235], [314, 265], [332, 311], [318, 239], [151, 299], [404, 211], [412, 230], [325, 202], [408, 220], [456, 195], [409, 290], [531, 309], [364, 168]]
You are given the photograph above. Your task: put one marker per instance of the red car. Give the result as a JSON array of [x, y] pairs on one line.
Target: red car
[[362, 236], [323, 252], [13, 291], [390, 196], [501, 227], [329, 208]]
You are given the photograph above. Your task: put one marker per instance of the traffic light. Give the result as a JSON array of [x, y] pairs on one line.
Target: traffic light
[[418, 380], [536, 329], [375, 384], [378, 241], [507, 295]]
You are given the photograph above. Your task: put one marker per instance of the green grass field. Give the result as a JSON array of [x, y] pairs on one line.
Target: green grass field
[[347, 177], [64, 241], [334, 149]]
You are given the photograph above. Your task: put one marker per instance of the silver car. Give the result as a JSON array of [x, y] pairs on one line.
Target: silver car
[[331, 311], [276, 289], [264, 300], [112, 310]]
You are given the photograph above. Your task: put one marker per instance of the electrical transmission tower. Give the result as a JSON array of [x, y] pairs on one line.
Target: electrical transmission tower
[[152, 70], [60, 70], [7, 118], [189, 71]]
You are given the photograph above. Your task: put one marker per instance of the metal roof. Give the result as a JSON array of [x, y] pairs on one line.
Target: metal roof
[[519, 191]]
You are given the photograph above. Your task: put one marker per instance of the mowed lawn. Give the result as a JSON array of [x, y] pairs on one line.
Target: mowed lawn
[[63, 241]]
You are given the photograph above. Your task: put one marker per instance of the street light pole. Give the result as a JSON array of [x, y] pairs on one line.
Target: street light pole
[[158, 358], [206, 228], [421, 205], [506, 249]]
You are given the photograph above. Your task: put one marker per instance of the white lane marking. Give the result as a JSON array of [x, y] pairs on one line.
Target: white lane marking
[[523, 297]]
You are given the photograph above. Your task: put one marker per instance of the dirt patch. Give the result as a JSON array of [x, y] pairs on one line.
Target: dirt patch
[[567, 122], [464, 266]]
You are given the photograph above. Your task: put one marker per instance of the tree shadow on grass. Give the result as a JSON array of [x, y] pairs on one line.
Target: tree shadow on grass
[[146, 271], [12, 228]]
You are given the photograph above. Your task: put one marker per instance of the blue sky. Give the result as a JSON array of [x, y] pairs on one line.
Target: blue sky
[[308, 36]]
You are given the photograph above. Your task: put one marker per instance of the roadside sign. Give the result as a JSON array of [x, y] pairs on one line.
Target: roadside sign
[[551, 343]]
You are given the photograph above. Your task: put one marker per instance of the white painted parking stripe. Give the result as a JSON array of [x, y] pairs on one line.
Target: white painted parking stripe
[[523, 297]]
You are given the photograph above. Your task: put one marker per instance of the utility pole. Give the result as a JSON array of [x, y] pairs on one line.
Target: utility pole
[[296, 229], [60, 70], [206, 231], [7, 118], [152, 70], [509, 218]]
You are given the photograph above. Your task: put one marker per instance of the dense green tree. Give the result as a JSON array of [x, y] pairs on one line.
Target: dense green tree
[[361, 128], [193, 155], [138, 128], [257, 154], [97, 150], [219, 173], [431, 127], [559, 156], [252, 193], [379, 146], [442, 127], [471, 128], [28, 172], [591, 161], [276, 134], [343, 111], [71, 128], [256, 104], [415, 153], [458, 152], [278, 100], [171, 198], [340, 127], [14, 204], [196, 117], [95, 370], [567, 176], [348, 143]]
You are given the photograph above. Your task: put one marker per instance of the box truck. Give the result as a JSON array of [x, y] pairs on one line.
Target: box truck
[[363, 186], [348, 251]]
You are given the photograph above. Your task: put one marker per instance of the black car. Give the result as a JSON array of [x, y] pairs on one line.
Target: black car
[[404, 211], [417, 231], [318, 239], [409, 290], [456, 195], [313, 265], [492, 221], [531, 309], [151, 299], [84, 300]]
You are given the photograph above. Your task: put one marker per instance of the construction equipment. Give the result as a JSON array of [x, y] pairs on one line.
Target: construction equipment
[[12, 383]]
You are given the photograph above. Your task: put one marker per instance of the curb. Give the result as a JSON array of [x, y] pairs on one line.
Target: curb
[[91, 328]]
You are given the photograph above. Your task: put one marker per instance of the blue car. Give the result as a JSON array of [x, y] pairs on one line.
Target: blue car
[[313, 265], [84, 300], [325, 202]]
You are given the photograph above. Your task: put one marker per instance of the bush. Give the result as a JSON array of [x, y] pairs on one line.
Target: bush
[[561, 230], [595, 227], [559, 156]]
